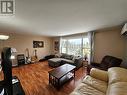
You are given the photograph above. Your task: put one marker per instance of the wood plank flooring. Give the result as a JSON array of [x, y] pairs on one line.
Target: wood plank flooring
[[34, 80]]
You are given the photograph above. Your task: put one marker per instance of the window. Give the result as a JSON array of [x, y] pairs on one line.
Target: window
[[86, 46], [74, 46], [64, 46], [78, 46]]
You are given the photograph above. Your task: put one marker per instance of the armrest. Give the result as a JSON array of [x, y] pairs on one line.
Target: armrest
[[99, 74], [78, 60]]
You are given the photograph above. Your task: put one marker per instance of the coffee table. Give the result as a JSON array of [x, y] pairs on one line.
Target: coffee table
[[61, 74]]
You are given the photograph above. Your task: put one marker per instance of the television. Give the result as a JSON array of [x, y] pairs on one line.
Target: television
[[7, 70]]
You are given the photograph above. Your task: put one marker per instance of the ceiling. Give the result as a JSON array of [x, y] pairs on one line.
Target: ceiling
[[64, 17]]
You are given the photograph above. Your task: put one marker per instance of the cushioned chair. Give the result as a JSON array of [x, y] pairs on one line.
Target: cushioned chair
[[107, 62]]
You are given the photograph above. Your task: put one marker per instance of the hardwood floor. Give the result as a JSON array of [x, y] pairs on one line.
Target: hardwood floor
[[34, 80]]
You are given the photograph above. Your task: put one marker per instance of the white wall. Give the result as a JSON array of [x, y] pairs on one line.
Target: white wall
[[109, 42]]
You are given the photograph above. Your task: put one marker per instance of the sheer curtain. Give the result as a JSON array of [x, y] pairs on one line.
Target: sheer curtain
[[71, 45], [91, 40], [75, 46]]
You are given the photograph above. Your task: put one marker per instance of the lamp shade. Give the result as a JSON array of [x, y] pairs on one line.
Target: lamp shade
[[4, 37], [13, 50], [86, 51]]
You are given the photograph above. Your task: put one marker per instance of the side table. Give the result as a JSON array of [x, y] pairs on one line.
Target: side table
[[85, 65]]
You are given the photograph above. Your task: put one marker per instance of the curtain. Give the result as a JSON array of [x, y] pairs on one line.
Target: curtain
[[74, 46], [91, 36]]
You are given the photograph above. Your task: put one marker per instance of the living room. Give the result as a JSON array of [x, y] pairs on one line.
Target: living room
[[43, 31]]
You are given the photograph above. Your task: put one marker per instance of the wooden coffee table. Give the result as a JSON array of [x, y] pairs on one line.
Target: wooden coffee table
[[60, 75]]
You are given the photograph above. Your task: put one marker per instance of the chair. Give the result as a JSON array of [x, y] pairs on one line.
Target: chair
[[107, 62]]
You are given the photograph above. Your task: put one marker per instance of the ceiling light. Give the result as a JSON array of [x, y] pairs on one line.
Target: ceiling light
[[4, 37]]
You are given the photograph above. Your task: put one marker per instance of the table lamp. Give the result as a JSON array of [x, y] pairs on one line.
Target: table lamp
[[86, 52]]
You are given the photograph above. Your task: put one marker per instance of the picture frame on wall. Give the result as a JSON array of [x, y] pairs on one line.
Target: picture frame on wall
[[56, 45], [38, 44]]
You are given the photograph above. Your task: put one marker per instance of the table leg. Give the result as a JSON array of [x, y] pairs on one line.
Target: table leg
[[74, 73], [58, 82], [49, 78]]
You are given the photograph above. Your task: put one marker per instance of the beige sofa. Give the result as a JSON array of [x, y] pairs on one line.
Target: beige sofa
[[111, 82]]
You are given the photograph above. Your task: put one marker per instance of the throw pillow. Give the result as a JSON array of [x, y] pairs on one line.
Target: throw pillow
[[63, 55], [69, 57], [58, 55]]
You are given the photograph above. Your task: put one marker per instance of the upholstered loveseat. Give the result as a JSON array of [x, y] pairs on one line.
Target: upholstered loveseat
[[65, 58], [111, 82]]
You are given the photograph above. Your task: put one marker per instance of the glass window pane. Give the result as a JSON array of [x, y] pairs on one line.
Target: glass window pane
[[77, 46], [74, 47], [86, 47], [64, 46]]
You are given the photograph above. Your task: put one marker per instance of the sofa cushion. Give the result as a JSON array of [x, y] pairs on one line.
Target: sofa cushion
[[84, 89], [67, 61], [70, 57], [117, 74], [95, 83], [119, 88], [58, 55], [99, 74], [55, 59], [63, 55]]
